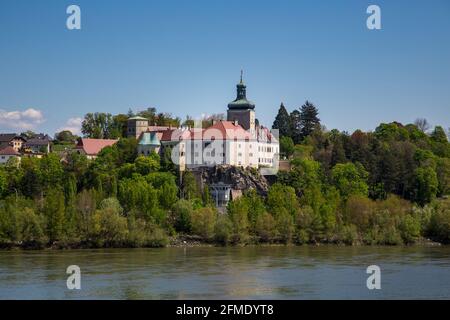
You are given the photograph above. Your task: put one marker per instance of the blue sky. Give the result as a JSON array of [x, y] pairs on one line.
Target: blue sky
[[184, 57]]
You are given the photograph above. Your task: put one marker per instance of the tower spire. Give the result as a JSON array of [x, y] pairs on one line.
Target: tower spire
[[242, 72]]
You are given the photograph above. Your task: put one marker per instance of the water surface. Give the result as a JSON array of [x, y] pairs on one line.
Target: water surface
[[324, 272]]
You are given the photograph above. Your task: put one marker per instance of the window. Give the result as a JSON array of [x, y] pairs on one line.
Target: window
[[251, 154], [239, 154]]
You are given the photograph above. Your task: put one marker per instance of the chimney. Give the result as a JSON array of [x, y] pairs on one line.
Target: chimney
[[236, 123], [214, 121]]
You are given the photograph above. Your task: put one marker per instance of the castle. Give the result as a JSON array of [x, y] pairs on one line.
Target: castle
[[238, 141]]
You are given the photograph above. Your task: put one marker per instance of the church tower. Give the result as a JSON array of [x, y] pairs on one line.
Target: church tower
[[241, 109]]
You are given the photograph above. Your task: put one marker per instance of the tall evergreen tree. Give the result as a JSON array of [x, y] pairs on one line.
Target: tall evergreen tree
[[295, 126], [282, 122], [308, 118]]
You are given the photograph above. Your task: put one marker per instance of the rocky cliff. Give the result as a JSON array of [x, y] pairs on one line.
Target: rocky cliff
[[239, 178]]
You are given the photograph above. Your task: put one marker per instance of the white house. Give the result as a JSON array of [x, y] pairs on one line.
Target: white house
[[238, 141], [8, 153]]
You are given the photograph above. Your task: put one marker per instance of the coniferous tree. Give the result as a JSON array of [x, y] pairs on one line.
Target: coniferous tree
[[308, 119], [295, 126], [282, 122]]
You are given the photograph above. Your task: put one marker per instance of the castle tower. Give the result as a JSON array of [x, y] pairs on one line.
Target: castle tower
[[241, 109], [136, 126]]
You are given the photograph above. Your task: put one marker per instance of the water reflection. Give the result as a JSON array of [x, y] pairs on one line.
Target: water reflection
[[323, 272]]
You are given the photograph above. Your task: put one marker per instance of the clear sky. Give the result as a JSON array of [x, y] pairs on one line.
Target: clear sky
[[185, 57]]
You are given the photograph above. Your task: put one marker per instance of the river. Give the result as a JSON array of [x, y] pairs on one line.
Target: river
[[272, 272]]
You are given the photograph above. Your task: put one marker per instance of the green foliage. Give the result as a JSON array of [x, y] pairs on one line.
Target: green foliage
[[182, 215], [266, 227], [238, 211], [223, 229], [350, 179], [282, 122], [109, 226], [147, 164], [189, 187], [203, 222], [286, 146], [426, 185], [281, 199], [309, 120], [54, 212], [3, 182], [439, 227]]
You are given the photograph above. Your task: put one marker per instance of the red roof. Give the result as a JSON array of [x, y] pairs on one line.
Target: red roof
[[93, 146], [225, 130], [9, 151]]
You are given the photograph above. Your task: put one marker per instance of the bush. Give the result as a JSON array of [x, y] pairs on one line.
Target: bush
[[31, 230], [203, 221], [285, 226], [109, 227], [410, 228], [223, 229], [265, 227], [440, 222], [182, 215]]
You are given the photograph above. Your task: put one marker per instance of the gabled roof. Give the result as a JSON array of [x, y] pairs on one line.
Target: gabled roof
[[9, 151], [93, 146], [227, 130], [221, 130], [8, 137], [37, 142]]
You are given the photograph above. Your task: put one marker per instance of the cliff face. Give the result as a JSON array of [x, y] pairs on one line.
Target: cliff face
[[239, 178]]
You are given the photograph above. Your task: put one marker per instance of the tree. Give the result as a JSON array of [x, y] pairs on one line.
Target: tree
[[296, 126], [238, 212], [97, 125], [282, 122], [265, 227], [182, 215], [147, 164], [308, 119], [350, 179], [286, 146], [422, 124], [282, 198], [65, 136], [426, 185], [3, 182], [189, 186], [443, 175], [54, 212], [109, 226], [223, 229]]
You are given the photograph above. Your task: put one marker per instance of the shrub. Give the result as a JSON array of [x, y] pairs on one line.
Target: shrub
[[440, 222], [182, 215], [109, 227], [285, 226], [265, 227], [203, 221], [223, 229]]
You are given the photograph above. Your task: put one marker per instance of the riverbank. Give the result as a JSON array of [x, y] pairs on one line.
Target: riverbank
[[194, 241]]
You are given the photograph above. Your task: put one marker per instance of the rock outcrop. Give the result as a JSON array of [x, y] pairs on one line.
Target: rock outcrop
[[239, 178]]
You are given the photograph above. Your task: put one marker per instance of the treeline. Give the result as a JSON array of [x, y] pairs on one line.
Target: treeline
[[389, 186]]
